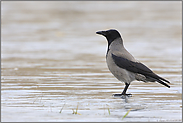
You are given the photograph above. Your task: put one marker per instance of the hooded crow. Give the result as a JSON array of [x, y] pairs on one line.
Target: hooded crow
[[124, 66]]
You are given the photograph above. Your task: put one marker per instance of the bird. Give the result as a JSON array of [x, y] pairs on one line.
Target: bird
[[124, 66]]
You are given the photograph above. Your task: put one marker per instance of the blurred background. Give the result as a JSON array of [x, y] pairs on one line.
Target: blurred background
[[52, 61]]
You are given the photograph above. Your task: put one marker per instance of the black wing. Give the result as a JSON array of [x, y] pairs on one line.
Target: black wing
[[137, 67]]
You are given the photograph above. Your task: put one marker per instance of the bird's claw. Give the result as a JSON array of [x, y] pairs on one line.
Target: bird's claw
[[122, 95]]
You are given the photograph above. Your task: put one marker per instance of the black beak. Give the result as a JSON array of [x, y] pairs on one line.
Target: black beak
[[101, 33]]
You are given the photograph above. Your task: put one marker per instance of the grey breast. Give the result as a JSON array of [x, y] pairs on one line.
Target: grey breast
[[117, 48]]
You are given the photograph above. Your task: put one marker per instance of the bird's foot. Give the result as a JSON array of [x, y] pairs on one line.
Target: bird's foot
[[122, 95]]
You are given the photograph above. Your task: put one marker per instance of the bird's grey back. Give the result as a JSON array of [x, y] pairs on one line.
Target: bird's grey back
[[117, 48]]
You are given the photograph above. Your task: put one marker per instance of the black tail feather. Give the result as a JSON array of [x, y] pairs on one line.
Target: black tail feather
[[161, 82], [164, 79]]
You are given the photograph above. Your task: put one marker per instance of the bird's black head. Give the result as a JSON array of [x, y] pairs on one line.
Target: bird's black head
[[111, 35]]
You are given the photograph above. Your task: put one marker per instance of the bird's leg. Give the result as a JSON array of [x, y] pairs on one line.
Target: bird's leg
[[124, 91]]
